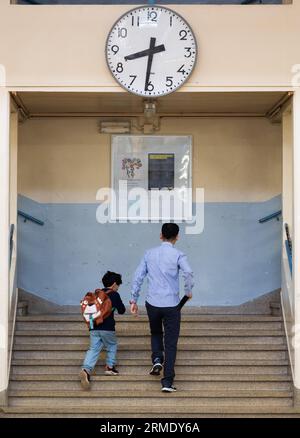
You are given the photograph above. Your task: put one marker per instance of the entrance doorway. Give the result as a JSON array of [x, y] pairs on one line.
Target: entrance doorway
[[64, 159]]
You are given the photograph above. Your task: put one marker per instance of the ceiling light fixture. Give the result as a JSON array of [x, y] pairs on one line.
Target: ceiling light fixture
[[115, 127]]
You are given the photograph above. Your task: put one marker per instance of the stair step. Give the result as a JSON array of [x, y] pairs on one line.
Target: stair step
[[210, 354], [137, 325], [144, 317], [191, 411], [129, 393], [147, 403], [146, 362], [184, 384], [280, 413], [77, 352], [84, 347], [252, 378], [144, 369], [142, 343], [136, 333]]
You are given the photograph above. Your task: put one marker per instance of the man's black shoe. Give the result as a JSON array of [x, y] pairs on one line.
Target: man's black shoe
[[168, 389], [156, 369]]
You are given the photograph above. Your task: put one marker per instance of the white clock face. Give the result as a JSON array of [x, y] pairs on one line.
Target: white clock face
[[151, 51]]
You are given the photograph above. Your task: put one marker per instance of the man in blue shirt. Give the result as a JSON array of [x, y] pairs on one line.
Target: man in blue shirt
[[161, 265]]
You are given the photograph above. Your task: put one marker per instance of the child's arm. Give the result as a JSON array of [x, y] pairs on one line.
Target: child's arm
[[119, 305]]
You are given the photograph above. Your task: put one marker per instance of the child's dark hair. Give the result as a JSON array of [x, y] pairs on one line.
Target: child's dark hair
[[170, 231], [110, 278]]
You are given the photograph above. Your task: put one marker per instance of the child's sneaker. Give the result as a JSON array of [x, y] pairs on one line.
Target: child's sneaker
[[111, 371], [85, 379]]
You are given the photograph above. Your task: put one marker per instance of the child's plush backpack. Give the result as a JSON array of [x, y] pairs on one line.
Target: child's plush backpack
[[95, 307]]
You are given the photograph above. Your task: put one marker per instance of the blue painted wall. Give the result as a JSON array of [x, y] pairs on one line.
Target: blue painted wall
[[235, 259]]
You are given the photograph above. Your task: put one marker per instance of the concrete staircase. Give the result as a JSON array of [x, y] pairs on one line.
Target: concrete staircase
[[227, 365]]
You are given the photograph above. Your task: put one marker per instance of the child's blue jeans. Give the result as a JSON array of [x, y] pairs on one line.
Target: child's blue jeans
[[98, 340]]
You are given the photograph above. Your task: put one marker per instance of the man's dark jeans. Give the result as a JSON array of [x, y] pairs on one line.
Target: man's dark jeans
[[164, 343]]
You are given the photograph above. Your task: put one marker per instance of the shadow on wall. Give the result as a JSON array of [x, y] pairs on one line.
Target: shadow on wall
[[235, 259]]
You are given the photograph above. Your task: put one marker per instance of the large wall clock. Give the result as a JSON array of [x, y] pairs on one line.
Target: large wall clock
[[151, 51]]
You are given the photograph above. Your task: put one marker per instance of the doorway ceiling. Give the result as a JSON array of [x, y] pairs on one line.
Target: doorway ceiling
[[56, 104]]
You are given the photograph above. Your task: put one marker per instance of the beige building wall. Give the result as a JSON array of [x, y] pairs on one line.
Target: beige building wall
[[234, 159], [287, 163], [287, 295], [57, 46], [13, 137]]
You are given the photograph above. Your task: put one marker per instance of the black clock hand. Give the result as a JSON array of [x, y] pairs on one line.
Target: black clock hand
[[149, 63], [146, 52]]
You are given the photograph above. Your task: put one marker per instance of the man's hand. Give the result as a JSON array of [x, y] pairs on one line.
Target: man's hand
[[134, 308], [190, 295]]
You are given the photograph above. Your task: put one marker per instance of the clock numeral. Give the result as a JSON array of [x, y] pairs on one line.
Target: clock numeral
[[181, 70], [152, 16], [133, 21], [183, 35], [122, 32], [171, 21], [119, 67], [189, 52], [115, 49], [169, 81], [149, 87], [134, 78]]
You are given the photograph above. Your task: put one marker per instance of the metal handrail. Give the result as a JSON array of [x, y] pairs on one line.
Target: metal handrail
[[270, 216], [288, 237], [289, 255], [11, 241], [28, 217], [249, 2], [289, 247]]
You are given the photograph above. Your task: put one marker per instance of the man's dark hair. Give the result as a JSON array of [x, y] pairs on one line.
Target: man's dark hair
[[110, 278], [170, 231]]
